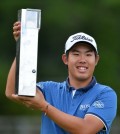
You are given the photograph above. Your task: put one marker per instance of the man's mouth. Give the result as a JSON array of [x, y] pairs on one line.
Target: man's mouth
[[82, 69]]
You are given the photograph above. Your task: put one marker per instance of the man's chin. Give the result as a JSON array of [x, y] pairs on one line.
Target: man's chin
[[83, 78]]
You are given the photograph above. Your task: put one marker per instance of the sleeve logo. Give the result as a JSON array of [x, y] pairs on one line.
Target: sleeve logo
[[98, 104]]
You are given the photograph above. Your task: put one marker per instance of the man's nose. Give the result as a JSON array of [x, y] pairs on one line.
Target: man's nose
[[82, 59]]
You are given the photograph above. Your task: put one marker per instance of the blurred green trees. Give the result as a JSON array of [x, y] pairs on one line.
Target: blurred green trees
[[60, 19]]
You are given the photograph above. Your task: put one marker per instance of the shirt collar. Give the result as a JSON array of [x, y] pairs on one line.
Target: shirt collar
[[84, 89]]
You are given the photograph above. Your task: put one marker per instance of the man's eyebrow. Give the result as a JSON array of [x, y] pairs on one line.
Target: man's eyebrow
[[90, 50]]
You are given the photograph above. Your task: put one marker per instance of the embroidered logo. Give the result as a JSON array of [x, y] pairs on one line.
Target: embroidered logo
[[98, 104], [84, 107], [81, 37]]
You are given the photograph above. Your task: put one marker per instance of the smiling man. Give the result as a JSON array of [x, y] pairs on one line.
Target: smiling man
[[78, 105]]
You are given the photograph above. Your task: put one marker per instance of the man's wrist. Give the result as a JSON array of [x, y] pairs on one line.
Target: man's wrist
[[46, 109], [44, 106]]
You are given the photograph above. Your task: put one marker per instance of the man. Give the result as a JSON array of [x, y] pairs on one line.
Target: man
[[78, 105]]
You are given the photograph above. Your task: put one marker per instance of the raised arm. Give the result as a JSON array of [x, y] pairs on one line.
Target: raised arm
[[10, 85]]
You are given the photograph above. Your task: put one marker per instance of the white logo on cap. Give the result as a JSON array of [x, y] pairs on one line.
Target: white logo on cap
[[80, 37]]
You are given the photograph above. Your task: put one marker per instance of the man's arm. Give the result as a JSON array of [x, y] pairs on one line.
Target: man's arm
[[74, 125], [89, 125], [10, 85]]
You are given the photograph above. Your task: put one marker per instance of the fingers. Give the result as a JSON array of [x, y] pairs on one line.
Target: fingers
[[16, 23], [23, 100], [16, 30], [16, 27]]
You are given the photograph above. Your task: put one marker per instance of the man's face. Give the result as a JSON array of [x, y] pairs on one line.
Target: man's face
[[81, 62]]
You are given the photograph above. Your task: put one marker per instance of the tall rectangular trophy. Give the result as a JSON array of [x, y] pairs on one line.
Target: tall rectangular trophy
[[26, 52]]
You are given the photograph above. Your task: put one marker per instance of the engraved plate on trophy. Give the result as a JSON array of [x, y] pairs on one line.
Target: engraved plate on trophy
[[26, 52]]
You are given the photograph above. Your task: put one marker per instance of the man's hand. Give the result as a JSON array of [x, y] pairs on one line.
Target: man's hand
[[16, 30], [38, 102]]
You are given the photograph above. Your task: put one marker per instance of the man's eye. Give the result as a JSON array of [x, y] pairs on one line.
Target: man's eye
[[75, 54], [89, 54]]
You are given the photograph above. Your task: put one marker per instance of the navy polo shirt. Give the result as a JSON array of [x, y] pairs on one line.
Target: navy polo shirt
[[95, 99]]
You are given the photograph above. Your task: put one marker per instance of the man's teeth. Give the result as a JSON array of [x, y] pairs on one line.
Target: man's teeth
[[82, 68]]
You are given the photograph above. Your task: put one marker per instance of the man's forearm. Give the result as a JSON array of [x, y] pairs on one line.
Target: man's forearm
[[74, 125], [10, 85], [68, 122]]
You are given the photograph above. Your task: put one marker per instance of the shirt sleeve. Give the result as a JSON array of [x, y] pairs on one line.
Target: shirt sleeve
[[105, 107], [40, 86]]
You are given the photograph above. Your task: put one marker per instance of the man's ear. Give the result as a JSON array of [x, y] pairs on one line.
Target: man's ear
[[97, 59], [65, 59]]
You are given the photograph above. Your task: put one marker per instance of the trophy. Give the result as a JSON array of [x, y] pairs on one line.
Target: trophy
[[26, 52]]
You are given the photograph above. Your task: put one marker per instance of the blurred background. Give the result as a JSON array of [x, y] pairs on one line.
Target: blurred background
[[60, 19]]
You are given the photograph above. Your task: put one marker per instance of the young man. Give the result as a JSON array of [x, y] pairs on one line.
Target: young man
[[79, 105]]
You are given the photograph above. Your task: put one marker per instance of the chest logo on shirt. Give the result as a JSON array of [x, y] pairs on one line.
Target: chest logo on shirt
[[84, 107], [98, 104]]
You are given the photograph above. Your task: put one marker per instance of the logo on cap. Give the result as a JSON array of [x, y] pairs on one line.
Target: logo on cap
[[81, 37]]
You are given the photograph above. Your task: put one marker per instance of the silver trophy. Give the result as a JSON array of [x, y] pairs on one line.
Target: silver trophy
[[26, 52]]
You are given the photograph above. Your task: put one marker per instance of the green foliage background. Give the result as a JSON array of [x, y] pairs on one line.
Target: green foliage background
[[60, 19]]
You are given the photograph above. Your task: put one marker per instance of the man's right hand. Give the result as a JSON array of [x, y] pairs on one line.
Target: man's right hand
[[16, 30]]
